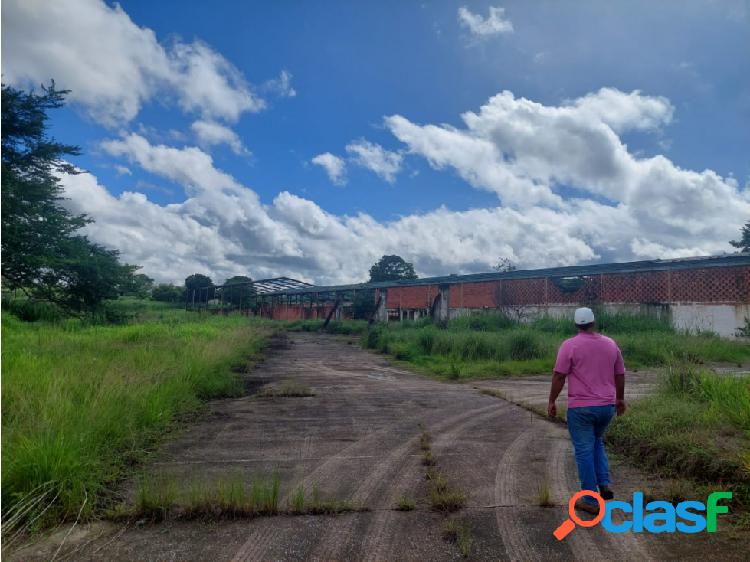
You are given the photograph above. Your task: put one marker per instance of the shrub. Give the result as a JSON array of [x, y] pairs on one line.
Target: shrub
[[30, 310], [681, 377], [487, 322], [524, 345]]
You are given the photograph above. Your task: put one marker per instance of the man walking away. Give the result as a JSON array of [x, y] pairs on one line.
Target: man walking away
[[593, 365]]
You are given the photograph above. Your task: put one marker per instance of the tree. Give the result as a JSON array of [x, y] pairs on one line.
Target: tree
[[239, 291], [167, 292], [391, 268], [34, 222], [139, 285], [504, 265], [42, 254], [84, 275], [744, 242], [196, 282]]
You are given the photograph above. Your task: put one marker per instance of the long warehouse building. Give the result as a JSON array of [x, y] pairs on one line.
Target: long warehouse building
[[703, 293]]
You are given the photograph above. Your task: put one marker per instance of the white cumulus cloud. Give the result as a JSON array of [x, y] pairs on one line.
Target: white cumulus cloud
[[525, 152], [282, 85], [113, 66], [211, 133], [374, 157], [334, 166], [495, 23]]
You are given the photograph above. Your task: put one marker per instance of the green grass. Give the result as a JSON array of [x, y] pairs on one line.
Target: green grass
[[492, 345], [544, 495], [82, 403], [118, 311], [159, 498], [443, 496], [458, 531], [696, 426], [345, 327], [405, 503]]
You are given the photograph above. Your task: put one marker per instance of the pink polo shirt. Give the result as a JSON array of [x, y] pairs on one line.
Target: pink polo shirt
[[590, 362]]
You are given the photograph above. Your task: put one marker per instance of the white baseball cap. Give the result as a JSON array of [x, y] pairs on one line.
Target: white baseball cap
[[584, 316]]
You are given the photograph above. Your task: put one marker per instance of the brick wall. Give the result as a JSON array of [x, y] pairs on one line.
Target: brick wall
[[420, 296], [729, 285], [473, 295], [707, 285]]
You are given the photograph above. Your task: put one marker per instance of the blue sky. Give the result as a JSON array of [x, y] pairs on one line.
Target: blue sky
[[351, 66]]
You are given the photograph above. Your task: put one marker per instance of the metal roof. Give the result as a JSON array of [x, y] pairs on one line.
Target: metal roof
[[725, 260], [275, 285]]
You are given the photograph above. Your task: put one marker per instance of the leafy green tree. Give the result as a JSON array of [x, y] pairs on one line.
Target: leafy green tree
[[42, 254], [34, 222], [138, 285], [744, 242], [196, 282], [239, 291], [167, 292], [83, 275], [391, 268], [504, 265]]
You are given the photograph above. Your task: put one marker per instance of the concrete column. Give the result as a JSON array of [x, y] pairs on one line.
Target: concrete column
[[381, 312], [440, 310]]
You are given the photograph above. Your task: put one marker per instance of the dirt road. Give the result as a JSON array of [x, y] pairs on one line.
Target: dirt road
[[358, 439]]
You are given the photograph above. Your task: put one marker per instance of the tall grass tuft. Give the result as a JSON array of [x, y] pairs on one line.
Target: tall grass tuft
[[524, 345]]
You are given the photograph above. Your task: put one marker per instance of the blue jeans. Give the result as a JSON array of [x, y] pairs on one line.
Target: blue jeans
[[587, 426]]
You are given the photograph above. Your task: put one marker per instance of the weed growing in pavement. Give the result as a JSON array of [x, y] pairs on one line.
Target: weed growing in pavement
[[458, 531], [155, 499], [424, 441], [544, 495], [297, 503], [405, 503], [443, 497], [159, 499]]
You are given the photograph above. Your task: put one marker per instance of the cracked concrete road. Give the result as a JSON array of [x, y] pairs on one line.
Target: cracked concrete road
[[357, 439]]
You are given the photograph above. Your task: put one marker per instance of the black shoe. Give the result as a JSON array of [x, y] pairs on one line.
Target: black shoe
[[606, 493], [592, 508]]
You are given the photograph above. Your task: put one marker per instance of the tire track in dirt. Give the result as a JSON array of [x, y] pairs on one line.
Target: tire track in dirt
[[375, 545], [382, 478], [584, 547], [329, 469], [256, 544], [514, 536]]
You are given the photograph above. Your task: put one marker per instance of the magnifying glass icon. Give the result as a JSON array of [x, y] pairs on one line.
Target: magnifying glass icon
[[569, 524]]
